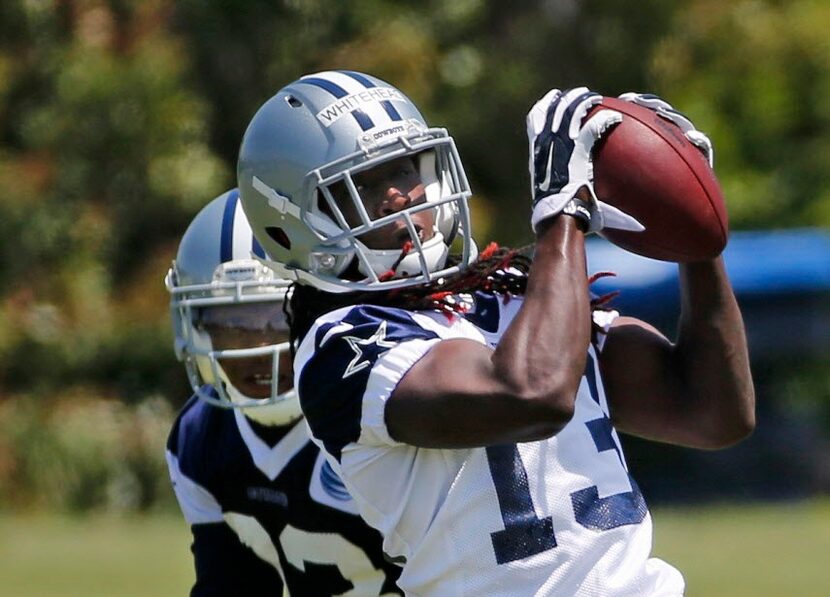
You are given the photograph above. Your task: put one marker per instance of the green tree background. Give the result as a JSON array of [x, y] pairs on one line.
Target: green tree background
[[119, 119]]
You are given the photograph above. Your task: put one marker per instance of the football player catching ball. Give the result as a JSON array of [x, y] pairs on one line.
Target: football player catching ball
[[471, 403]]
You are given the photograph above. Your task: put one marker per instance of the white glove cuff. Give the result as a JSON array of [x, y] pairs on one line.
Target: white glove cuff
[[552, 205]]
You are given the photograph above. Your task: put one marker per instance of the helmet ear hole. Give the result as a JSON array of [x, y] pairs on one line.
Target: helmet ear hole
[[279, 236]]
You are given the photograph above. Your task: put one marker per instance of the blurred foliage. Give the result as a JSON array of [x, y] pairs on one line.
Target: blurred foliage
[[104, 157], [758, 75], [119, 119], [76, 454]]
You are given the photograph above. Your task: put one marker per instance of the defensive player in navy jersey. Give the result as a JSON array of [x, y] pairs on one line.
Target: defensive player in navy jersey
[[471, 404], [267, 511]]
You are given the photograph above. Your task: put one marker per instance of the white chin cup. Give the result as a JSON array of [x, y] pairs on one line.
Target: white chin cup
[[434, 250], [282, 412]]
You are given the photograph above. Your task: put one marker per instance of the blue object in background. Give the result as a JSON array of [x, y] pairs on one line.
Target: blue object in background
[[781, 279]]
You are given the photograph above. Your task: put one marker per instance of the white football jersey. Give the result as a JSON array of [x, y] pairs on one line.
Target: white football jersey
[[560, 516]]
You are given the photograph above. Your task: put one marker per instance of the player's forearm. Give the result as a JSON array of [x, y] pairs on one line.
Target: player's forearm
[[713, 352], [542, 355]]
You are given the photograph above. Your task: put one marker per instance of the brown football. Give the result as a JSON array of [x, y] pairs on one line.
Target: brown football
[[646, 167]]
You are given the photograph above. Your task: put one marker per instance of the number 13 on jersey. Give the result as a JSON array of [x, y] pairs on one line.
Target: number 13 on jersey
[[525, 534]]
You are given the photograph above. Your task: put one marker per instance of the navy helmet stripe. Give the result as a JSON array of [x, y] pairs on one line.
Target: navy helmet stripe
[[360, 78], [387, 105], [256, 248], [333, 88], [226, 233]]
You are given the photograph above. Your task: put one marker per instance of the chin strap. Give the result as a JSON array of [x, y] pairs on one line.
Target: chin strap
[[406, 261], [391, 272]]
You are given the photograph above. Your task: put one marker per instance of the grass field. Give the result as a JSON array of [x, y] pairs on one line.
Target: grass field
[[757, 550], [771, 550], [94, 556]]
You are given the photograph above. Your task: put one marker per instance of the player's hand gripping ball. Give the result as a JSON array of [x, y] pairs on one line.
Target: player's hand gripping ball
[[656, 167], [561, 140]]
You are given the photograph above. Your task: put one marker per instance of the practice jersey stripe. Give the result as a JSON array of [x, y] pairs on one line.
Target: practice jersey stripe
[[198, 505], [387, 105], [226, 233], [359, 115], [332, 483]]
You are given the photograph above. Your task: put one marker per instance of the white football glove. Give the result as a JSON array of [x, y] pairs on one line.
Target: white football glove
[[665, 109], [560, 159]]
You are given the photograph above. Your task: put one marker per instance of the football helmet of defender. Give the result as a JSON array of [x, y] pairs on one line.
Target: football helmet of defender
[[228, 323], [261, 501], [298, 172]]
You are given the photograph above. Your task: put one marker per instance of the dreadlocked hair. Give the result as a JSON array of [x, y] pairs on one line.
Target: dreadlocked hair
[[497, 269]]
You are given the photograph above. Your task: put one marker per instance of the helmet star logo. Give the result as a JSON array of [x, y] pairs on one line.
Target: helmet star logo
[[362, 346]]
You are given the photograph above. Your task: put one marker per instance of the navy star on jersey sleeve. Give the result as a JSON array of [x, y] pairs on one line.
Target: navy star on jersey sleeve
[[338, 376]]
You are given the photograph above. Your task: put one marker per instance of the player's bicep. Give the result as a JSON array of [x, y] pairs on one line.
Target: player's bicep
[[642, 381], [452, 397]]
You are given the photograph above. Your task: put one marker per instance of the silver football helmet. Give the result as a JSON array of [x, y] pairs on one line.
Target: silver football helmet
[[219, 263], [319, 132]]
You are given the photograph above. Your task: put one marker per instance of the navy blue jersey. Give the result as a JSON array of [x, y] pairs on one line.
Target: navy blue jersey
[[265, 515]]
